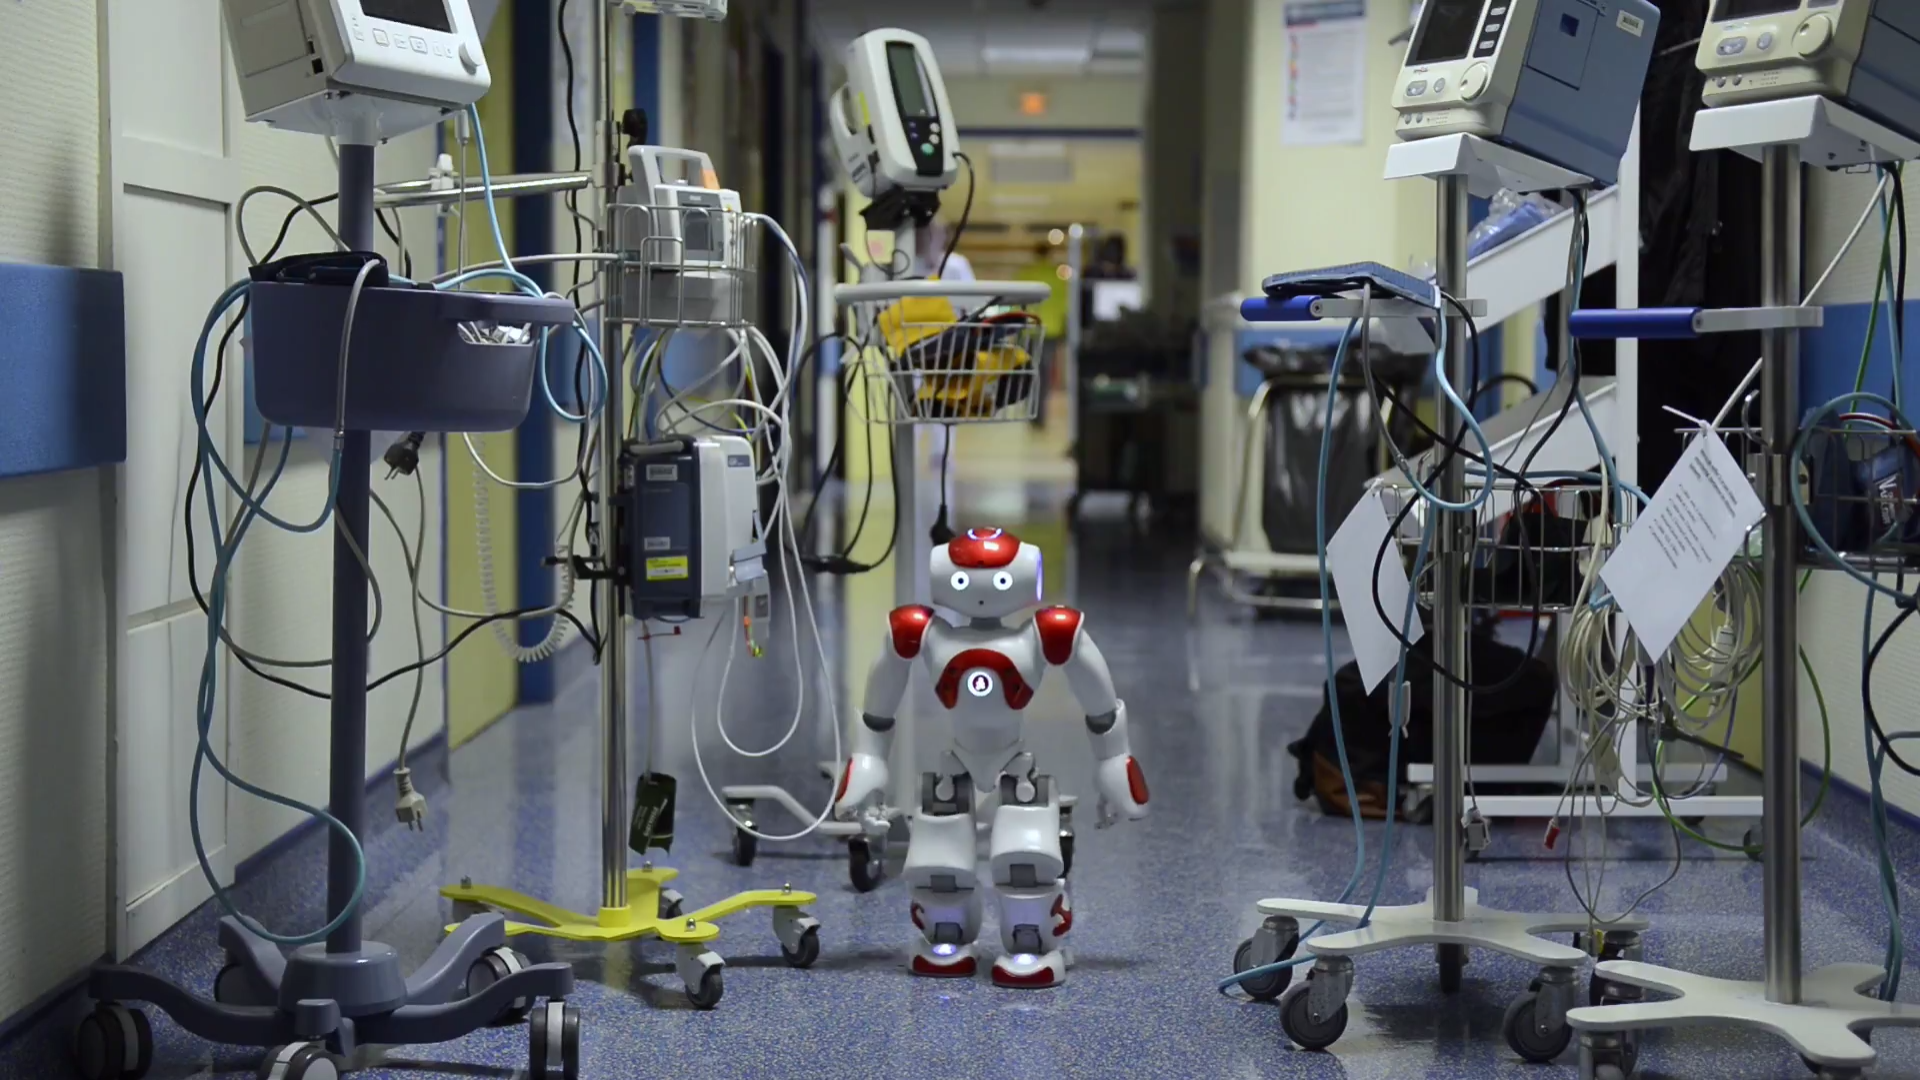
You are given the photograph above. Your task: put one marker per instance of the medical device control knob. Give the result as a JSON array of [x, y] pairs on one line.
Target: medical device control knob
[[1474, 82], [468, 60], [1813, 36]]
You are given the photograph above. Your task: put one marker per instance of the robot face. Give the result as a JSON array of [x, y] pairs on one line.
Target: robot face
[[986, 574]]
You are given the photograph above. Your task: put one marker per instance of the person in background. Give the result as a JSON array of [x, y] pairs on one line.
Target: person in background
[[1053, 316], [932, 245]]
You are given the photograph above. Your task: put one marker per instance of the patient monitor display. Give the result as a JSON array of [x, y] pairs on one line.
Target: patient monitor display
[[1864, 54], [358, 70], [1558, 79]]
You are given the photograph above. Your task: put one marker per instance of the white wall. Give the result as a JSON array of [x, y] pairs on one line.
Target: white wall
[[55, 700], [121, 145], [1078, 101], [1832, 606]]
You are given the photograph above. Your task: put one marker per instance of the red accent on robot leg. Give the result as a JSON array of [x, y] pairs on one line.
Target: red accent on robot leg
[[1062, 916], [983, 549], [846, 777], [1058, 626], [909, 625], [915, 912], [947, 688], [1136, 781]]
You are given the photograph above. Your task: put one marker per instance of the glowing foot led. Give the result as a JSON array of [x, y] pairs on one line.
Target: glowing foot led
[[1825, 1027], [1030, 971], [942, 961]]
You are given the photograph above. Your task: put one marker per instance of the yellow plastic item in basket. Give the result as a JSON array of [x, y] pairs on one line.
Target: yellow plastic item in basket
[[914, 319], [980, 392]]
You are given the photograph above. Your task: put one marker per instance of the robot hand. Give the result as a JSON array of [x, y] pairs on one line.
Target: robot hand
[[864, 775], [1123, 790]]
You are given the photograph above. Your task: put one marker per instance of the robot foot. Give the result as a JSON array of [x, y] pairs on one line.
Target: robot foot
[[942, 961], [1030, 971]]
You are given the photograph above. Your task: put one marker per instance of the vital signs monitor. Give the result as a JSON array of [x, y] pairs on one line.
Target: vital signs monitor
[[1557, 79], [359, 70], [893, 127], [1864, 54]]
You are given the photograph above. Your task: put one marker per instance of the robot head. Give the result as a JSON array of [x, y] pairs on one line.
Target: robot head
[[986, 574]]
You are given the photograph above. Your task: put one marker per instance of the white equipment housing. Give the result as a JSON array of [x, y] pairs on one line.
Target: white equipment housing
[[692, 214], [1559, 80], [1863, 54], [358, 70], [891, 122], [733, 555]]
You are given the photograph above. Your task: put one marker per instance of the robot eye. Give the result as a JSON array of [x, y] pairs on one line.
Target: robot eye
[[1003, 581], [961, 580]]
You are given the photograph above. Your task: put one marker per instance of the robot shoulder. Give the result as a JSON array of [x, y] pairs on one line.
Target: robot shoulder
[[1058, 627], [909, 625]]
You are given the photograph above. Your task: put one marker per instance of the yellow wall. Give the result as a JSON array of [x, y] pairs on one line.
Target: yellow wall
[[1324, 205], [482, 681]]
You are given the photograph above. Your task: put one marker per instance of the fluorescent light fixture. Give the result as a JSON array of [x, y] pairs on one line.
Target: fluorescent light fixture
[[1037, 55], [1027, 148]]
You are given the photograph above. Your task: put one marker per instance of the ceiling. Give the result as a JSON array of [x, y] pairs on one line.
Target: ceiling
[[1013, 37]]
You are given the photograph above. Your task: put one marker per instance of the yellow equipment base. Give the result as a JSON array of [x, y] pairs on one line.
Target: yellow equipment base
[[639, 919]]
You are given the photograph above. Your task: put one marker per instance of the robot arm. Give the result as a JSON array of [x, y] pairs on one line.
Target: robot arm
[[866, 769], [1122, 784]]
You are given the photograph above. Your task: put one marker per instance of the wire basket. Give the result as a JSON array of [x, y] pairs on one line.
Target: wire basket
[[684, 267], [1532, 548], [1860, 479], [937, 352]]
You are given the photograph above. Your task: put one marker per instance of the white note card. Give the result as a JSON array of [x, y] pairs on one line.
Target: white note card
[[1680, 543], [1350, 560]]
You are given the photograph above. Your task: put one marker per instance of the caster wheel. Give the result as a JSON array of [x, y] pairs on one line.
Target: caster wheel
[[1307, 1032], [745, 847], [300, 1061], [1596, 982], [497, 964], [866, 867], [1525, 1036], [711, 988], [113, 1042], [1608, 1072], [1752, 843], [1066, 855], [1453, 961], [1264, 987], [235, 986], [553, 1042], [802, 955], [670, 904]]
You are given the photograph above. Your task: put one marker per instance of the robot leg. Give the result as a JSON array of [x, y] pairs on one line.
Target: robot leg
[[942, 879], [1035, 913]]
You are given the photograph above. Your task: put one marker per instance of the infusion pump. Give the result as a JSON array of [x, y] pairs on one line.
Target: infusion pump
[[1862, 53], [1558, 79], [893, 127], [359, 70]]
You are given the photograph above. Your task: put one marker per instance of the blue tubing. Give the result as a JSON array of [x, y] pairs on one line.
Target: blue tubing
[[1265, 309]]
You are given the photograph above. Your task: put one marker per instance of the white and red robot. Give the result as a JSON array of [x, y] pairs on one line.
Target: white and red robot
[[985, 671]]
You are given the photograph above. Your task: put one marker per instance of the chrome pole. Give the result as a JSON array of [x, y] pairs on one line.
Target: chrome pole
[[1449, 580], [1779, 385], [610, 601]]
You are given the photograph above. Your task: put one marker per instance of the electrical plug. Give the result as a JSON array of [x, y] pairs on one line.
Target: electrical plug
[[411, 806], [403, 457], [1478, 834]]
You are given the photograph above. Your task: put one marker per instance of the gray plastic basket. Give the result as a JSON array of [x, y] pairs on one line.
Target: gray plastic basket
[[411, 369]]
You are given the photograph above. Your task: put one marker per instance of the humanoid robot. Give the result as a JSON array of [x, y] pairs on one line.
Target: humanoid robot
[[984, 672]]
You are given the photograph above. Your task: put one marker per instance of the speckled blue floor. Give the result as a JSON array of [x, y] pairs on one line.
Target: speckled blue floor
[[1159, 905]]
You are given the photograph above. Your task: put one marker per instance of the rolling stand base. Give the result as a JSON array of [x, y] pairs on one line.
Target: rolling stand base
[[1823, 1027], [1546, 1003], [655, 912], [330, 1009]]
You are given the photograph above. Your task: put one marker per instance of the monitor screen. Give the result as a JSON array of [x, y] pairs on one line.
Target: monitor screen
[[1741, 9], [426, 14], [909, 81], [1446, 33]]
